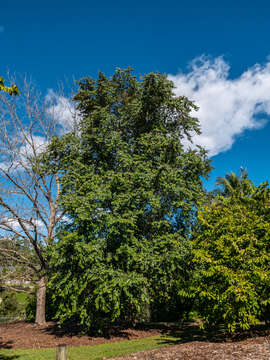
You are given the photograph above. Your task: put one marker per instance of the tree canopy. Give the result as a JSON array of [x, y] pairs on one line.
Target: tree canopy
[[130, 189]]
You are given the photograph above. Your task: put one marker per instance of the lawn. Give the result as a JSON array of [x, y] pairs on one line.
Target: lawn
[[95, 352]]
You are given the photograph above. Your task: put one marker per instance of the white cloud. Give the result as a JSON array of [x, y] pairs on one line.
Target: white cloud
[[38, 145], [227, 107], [62, 110], [23, 151]]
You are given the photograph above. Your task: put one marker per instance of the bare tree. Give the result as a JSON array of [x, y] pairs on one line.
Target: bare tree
[[29, 198]]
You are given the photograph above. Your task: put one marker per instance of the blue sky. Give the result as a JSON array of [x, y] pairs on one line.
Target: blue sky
[[57, 40]]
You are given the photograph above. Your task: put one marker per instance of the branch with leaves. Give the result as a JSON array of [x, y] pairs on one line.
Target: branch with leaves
[[12, 90]]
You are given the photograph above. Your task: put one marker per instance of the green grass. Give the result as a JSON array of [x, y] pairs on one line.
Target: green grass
[[95, 352]]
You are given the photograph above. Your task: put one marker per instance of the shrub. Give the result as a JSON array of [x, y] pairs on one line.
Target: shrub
[[232, 255]]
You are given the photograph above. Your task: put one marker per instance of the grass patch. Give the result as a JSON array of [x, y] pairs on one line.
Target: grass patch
[[95, 352]]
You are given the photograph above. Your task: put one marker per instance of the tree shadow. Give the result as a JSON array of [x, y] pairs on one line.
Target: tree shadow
[[71, 329], [172, 333], [6, 345], [189, 332], [68, 329]]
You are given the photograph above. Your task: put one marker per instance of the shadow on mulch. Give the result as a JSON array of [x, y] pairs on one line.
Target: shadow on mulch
[[72, 329], [178, 333], [188, 332], [7, 345]]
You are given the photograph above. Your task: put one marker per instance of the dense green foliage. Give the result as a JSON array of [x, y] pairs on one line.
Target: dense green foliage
[[129, 188], [232, 255]]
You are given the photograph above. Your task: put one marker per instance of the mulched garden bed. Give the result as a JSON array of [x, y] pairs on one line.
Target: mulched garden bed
[[23, 335], [251, 349], [242, 345], [188, 342]]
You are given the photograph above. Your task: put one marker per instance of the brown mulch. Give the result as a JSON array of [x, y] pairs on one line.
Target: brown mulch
[[23, 335], [251, 349], [189, 342]]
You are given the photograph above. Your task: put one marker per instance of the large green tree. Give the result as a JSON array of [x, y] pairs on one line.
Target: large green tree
[[130, 189]]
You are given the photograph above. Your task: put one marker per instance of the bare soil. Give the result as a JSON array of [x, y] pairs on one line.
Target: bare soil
[[188, 342]]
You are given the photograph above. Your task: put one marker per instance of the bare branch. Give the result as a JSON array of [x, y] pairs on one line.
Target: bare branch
[[18, 289], [22, 259], [29, 198]]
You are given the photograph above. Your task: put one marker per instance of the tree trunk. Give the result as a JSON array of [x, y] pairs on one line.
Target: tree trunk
[[41, 302]]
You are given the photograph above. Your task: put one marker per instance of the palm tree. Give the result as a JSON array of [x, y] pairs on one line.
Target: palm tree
[[233, 185]]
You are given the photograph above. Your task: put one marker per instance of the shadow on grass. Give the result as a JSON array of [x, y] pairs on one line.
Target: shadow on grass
[[189, 332], [8, 357]]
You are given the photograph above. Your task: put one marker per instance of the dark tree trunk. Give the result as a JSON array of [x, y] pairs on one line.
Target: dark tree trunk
[[41, 302]]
